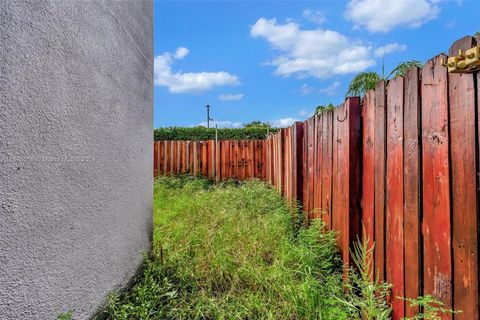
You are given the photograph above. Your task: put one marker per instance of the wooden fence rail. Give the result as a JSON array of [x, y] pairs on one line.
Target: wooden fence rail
[[403, 162]]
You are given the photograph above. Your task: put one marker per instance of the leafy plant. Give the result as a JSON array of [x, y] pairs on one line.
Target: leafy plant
[[366, 296], [401, 69], [365, 81], [65, 316], [323, 108], [433, 309]]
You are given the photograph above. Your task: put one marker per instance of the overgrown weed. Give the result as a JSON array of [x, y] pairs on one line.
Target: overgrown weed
[[238, 251]]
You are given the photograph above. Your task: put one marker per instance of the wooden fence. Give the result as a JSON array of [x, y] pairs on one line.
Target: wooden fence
[[403, 162], [218, 160]]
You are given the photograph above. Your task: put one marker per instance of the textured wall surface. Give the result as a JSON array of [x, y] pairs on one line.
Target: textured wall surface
[[76, 127]]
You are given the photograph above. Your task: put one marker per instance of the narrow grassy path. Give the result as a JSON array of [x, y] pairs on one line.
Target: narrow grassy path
[[233, 251]]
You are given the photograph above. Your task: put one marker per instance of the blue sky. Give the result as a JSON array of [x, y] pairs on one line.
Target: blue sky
[[276, 61]]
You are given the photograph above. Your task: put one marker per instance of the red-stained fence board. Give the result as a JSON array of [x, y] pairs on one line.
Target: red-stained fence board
[[368, 181], [411, 183], [161, 157], [234, 159], [211, 158], [464, 185], [317, 148], [204, 158], [305, 168], [195, 159], [250, 156], [338, 179], [281, 163], [264, 159], [226, 150], [176, 157], [327, 167], [436, 183], [188, 157], [182, 145], [310, 168], [255, 155], [394, 190], [380, 177], [353, 168], [155, 159], [268, 163], [167, 158], [241, 160]]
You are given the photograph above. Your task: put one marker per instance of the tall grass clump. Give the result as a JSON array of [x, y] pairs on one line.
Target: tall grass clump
[[232, 251]]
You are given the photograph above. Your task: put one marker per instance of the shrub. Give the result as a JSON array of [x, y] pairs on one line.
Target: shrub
[[202, 133]]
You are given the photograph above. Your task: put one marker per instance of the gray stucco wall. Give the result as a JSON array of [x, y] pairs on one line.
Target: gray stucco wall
[[76, 97]]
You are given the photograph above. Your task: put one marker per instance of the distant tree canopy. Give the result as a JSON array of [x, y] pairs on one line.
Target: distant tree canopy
[[257, 124], [202, 133]]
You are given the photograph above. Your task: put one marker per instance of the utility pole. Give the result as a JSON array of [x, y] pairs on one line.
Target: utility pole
[[208, 116]]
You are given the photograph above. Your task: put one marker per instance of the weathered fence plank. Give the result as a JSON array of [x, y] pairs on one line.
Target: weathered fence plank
[[317, 197], [380, 177], [411, 182], [368, 182], [394, 191], [337, 182], [436, 183], [327, 169], [464, 186]]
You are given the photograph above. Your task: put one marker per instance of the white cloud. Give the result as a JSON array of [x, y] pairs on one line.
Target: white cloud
[[316, 53], [282, 123], [389, 48], [330, 90], [223, 124], [181, 53], [306, 89], [314, 16], [303, 113], [187, 82], [278, 123], [230, 97], [384, 15]]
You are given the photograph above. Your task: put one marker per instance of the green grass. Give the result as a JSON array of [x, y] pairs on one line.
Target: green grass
[[232, 251]]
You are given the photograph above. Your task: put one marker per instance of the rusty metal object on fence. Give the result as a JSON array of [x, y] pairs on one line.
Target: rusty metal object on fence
[[465, 62]]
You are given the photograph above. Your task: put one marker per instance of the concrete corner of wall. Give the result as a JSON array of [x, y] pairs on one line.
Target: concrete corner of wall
[[76, 97]]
